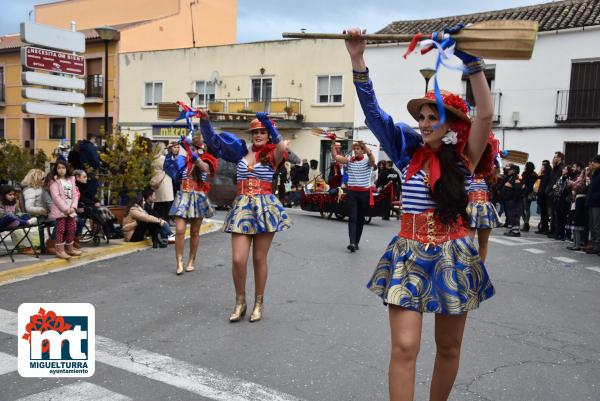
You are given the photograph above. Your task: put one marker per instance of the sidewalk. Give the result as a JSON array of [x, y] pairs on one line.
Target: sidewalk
[[27, 266]]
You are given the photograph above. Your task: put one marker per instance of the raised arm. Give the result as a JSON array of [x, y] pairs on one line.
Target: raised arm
[[481, 126], [276, 139], [226, 145], [398, 141], [337, 157]]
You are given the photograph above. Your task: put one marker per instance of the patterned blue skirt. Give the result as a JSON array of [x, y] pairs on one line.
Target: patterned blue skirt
[[256, 214], [482, 215], [449, 279], [191, 205]]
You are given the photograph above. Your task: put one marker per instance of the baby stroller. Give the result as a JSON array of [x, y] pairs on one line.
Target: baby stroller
[[99, 225]]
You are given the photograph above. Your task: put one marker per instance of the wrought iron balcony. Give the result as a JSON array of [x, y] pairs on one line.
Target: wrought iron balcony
[[284, 106], [496, 102], [577, 106], [94, 86]]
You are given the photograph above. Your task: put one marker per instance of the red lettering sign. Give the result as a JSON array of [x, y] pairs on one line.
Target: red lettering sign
[[50, 60]]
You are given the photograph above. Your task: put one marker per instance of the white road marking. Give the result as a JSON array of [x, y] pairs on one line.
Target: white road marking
[[82, 391], [515, 241], [534, 250], [502, 242], [594, 269], [201, 381], [564, 259], [8, 363]]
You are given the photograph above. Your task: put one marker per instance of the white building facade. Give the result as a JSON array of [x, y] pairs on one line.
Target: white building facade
[[546, 104]]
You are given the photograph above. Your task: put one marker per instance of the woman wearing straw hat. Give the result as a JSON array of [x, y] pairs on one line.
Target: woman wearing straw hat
[[432, 264], [256, 214]]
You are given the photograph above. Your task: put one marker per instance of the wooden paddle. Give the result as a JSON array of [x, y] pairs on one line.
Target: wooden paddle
[[170, 111], [495, 39], [516, 156]]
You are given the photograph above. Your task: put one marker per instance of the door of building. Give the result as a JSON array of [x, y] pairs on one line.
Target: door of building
[[29, 134], [581, 152]]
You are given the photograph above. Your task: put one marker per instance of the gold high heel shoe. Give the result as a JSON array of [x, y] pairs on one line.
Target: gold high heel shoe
[[239, 311], [193, 250], [190, 266], [179, 265], [258, 309]]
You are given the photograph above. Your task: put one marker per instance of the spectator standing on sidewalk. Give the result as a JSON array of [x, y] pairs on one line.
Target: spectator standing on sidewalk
[[65, 199], [161, 183], [89, 159], [593, 204], [542, 198], [557, 166], [528, 178], [512, 196], [562, 203]]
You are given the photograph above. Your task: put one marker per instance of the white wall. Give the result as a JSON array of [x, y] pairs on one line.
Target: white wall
[[529, 87]]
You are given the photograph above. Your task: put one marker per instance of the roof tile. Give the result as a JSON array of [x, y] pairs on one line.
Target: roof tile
[[550, 17]]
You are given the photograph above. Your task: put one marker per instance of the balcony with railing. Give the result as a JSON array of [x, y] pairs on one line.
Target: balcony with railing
[[496, 102], [577, 106], [94, 87], [286, 107]]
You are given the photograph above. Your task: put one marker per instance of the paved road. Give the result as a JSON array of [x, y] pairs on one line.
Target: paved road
[[324, 336]]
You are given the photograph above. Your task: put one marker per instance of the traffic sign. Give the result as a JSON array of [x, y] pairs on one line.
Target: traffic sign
[[53, 109], [55, 38], [53, 95], [51, 60], [36, 78]]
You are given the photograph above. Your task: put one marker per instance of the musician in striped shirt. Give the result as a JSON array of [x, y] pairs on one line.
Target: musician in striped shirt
[[431, 265], [359, 198]]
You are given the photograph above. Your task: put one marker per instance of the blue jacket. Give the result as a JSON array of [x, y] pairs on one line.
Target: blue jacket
[[174, 166], [398, 141], [88, 154]]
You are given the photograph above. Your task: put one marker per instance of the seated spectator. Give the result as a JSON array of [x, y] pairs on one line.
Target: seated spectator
[[149, 196], [10, 212], [320, 185], [89, 205], [138, 223], [32, 194]]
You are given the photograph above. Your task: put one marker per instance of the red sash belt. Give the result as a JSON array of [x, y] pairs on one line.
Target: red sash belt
[[188, 185], [253, 186], [363, 189], [479, 196], [426, 228]]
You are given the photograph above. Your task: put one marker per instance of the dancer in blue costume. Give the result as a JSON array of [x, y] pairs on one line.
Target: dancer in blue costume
[[482, 213], [191, 201], [432, 265], [256, 214]]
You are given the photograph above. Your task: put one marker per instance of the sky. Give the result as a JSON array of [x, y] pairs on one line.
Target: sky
[[267, 19]]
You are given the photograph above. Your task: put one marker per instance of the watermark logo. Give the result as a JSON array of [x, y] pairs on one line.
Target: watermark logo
[[56, 340]]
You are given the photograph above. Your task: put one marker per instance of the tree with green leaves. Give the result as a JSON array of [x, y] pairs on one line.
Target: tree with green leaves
[[16, 161]]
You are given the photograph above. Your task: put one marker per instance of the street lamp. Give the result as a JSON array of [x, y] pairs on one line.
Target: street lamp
[[107, 34], [191, 95], [427, 74]]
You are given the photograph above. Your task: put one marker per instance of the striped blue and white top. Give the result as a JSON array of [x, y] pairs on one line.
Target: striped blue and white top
[[359, 173], [478, 184], [185, 174], [415, 193], [263, 172]]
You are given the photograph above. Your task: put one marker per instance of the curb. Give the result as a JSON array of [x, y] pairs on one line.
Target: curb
[[54, 265]]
